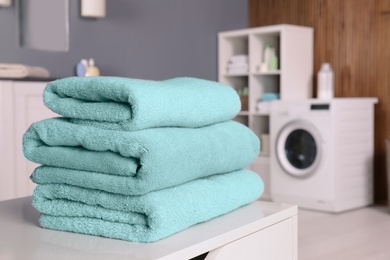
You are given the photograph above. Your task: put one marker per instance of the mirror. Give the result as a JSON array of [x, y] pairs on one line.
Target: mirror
[[43, 24]]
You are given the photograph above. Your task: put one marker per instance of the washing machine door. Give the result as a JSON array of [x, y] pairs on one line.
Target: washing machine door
[[298, 148]]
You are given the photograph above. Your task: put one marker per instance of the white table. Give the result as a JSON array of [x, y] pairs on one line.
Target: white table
[[262, 230]]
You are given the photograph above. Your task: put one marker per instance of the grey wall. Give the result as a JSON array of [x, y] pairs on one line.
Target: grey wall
[[150, 39]]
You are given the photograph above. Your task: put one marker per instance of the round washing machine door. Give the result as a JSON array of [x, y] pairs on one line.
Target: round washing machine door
[[298, 148]]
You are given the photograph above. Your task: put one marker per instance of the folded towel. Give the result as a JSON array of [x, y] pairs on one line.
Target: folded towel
[[263, 107], [239, 58], [238, 63], [238, 66], [151, 159], [267, 97], [145, 218], [136, 104], [16, 71], [237, 71]]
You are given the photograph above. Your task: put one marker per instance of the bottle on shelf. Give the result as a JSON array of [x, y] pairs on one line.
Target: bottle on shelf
[[325, 77], [81, 68], [243, 93], [270, 60], [273, 61], [92, 70]]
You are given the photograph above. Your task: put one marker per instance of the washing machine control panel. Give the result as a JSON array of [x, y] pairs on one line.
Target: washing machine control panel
[[320, 107]]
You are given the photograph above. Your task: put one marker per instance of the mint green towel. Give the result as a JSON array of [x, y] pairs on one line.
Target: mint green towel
[[140, 161], [268, 97], [145, 218], [134, 104]]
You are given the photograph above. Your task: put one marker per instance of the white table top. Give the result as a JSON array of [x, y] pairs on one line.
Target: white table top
[[22, 238]]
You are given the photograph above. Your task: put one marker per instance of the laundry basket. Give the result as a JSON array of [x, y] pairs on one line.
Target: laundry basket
[[388, 169]]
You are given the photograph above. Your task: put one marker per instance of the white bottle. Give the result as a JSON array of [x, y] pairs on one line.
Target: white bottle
[[268, 52], [81, 68], [325, 84]]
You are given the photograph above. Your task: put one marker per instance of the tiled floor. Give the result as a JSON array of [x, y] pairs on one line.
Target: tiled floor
[[358, 234]]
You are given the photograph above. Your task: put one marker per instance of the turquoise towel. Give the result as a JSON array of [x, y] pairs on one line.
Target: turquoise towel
[[134, 104], [267, 97], [145, 218], [145, 160]]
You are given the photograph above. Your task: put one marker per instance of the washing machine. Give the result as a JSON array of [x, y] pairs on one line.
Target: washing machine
[[322, 153]]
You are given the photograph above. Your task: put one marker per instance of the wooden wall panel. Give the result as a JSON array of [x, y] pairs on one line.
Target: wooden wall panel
[[381, 57], [378, 85], [354, 36]]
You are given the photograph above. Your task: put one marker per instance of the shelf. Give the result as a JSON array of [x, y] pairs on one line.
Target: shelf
[[260, 114], [243, 113], [292, 78], [269, 73], [236, 75]]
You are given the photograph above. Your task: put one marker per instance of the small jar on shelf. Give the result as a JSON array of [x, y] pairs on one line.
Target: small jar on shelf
[[244, 93]]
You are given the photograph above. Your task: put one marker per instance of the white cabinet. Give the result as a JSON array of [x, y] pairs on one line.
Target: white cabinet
[[259, 231], [21, 105], [291, 79]]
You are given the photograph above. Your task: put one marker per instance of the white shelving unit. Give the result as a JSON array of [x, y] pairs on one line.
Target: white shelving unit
[[292, 79]]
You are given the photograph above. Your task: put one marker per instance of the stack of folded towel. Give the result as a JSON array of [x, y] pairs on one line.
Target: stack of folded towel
[[264, 102], [139, 160], [238, 64]]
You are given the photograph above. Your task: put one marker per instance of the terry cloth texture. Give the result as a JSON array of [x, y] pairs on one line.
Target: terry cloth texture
[[133, 104], [145, 218], [138, 162]]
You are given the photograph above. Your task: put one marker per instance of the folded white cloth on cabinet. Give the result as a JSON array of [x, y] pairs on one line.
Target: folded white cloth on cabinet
[[17, 71]]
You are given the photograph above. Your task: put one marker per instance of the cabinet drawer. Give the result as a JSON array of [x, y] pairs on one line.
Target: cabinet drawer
[[275, 242]]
